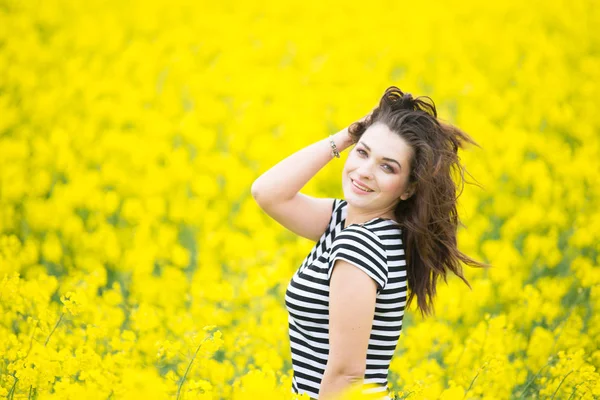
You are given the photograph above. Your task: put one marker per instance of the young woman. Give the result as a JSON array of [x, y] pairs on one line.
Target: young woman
[[387, 241]]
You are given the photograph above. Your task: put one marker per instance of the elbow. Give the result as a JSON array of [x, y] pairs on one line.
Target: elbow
[[254, 190], [256, 193], [353, 376], [348, 372]]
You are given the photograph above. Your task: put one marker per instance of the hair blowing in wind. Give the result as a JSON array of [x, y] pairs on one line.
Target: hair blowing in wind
[[429, 218]]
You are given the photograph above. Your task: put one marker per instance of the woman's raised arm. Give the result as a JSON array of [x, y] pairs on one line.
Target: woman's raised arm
[[277, 190]]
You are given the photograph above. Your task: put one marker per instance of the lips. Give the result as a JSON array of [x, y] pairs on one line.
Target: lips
[[361, 185]]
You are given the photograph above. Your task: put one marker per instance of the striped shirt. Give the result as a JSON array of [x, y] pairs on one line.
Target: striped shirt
[[376, 248]]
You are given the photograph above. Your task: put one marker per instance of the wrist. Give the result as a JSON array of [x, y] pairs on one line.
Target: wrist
[[342, 139]]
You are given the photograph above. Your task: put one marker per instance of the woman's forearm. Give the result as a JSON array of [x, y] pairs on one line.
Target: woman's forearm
[[284, 180]]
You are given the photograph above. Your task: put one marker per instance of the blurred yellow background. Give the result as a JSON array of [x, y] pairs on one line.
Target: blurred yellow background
[[135, 263]]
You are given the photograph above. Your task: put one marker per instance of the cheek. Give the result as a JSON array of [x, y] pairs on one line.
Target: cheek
[[351, 164], [391, 184], [354, 161]]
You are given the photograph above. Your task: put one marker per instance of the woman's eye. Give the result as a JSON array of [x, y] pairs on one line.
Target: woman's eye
[[361, 151]]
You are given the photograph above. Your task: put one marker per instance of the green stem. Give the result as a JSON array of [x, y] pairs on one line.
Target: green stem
[[188, 369], [471, 385], [562, 324], [574, 390], [458, 361], [11, 393], [32, 336], [533, 379], [55, 326], [561, 382]]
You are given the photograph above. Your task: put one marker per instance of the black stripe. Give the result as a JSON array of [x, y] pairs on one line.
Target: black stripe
[[389, 319], [399, 308], [311, 278], [302, 342], [365, 248], [354, 234], [385, 338], [379, 357], [323, 270], [396, 280], [387, 328], [348, 257], [307, 388], [307, 310], [310, 328], [309, 289], [313, 338], [376, 376], [309, 367], [295, 296], [380, 347], [393, 300], [309, 356], [295, 340]]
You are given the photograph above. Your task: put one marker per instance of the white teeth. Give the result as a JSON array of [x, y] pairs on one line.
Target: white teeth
[[360, 187]]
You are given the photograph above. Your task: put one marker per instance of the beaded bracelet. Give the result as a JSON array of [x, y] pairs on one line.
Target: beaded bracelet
[[334, 150]]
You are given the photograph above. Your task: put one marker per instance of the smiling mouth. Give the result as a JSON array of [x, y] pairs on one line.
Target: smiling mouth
[[361, 188]]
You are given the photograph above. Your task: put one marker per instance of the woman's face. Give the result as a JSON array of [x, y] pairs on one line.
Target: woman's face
[[381, 161]]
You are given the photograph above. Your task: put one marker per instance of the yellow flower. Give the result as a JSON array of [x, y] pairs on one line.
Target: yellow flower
[[52, 248], [74, 302], [453, 392], [539, 348]]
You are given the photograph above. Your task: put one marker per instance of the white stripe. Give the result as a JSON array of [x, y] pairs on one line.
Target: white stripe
[[311, 362], [313, 343], [307, 371], [305, 302], [395, 252], [376, 342], [397, 285], [311, 392], [308, 314], [300, 292], [389, 296], [348, 239]]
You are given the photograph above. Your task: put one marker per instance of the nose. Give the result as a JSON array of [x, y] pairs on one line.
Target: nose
[[365, 172]]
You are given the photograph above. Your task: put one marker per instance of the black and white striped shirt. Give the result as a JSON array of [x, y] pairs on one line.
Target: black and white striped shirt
[[376, 248]]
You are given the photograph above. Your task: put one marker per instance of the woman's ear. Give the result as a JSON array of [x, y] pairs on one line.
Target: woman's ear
[[409, 191]]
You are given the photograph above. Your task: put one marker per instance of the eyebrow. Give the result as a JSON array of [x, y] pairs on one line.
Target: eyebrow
[[385, 158]]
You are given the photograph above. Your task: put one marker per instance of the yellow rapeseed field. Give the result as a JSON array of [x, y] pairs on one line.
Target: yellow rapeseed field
[[134, 262]]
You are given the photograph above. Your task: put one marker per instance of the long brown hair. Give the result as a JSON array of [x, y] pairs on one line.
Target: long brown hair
[[428, 218]]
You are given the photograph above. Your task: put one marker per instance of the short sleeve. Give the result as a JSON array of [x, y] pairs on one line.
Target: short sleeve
[[335, 213], [337, 205], [362, 248], [334, 208]]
